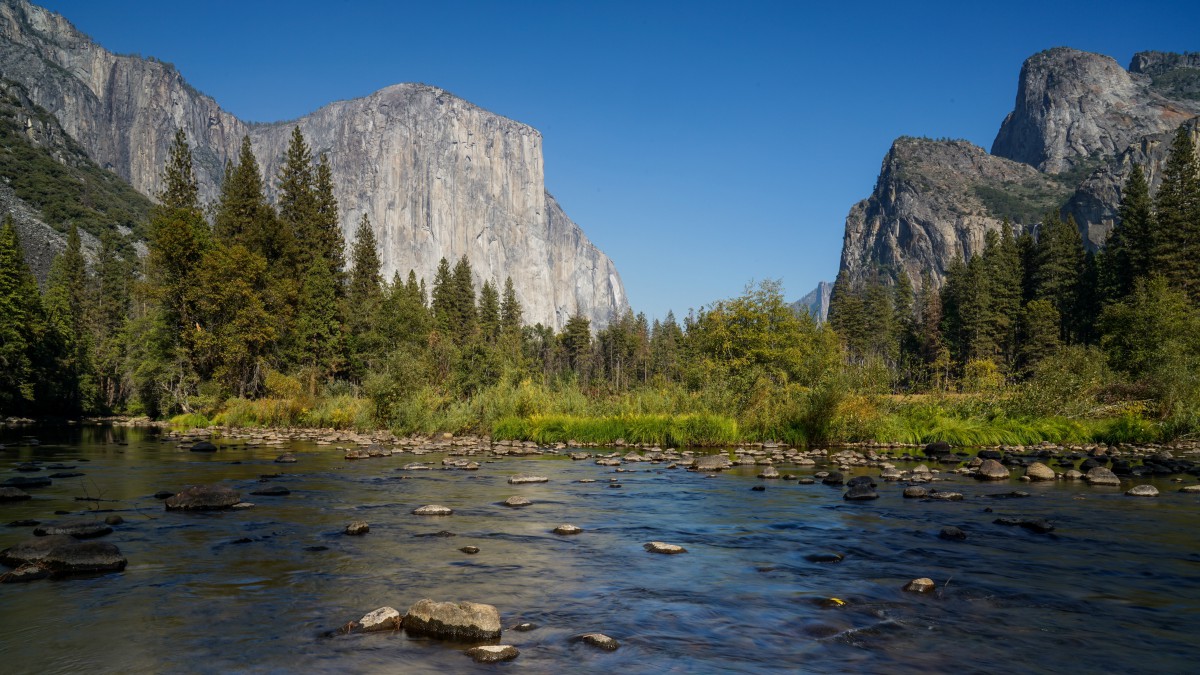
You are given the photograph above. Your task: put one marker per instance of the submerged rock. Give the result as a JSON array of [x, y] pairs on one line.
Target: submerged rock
[[598, 640], [825, 557], [453, 620], [1039, 525], [527, 478], [662, 547], [952, 533], [81, 529], [203, 498], [433, 510], [493, 653], [26, 482], [286, 458], [204, 446]]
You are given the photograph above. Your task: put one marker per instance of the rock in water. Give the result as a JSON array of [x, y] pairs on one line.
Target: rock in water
[[384, 618], [204, 446], [1135, 491], [1039, 525], [1190, 489], [470, 550], [1101, 476], [567, 528], [922, 585], [516, 502], [62, 555], [859, 493], [769, 472], [598, 640], [991, 470], [273, 491], [661, 547], [81, 529], [825, 557], [463, 621], [12, 494], [952, 534], [203, 498], [493, 653], [433, 510], [915, 492], [26, 482], [527, 478], [1039, 471], [711, 463], [358, 527], [286, 458]]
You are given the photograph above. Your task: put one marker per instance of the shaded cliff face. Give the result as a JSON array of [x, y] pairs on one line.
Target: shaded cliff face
[[1075, 106], [1080, 122], [816, 302], [437, 176], [934, 201]]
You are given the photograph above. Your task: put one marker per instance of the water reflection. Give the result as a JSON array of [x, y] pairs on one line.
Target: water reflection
[[1115, 586]]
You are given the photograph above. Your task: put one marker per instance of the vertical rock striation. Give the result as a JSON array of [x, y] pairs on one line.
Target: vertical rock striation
[[436, 175]]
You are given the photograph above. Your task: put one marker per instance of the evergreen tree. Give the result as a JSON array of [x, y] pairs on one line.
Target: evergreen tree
[[1005, 275], [243, 215], [364, 296], [442, 301], [180, 190], [1059, 261], [319, 326], [576, 342], [510, 309], [1041, 327], [1129, 252], [298, 206], [931, 351], [111, 310], [1177, 217], [464, 313], [22, 324], [67, 304], [489, 313], [328, 229]]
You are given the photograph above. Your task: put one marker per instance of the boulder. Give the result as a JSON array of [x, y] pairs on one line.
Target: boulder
[[567, 528], [521, 479], [991, 469], [945, 496], [384, 618], [358, 527], [1135, 491], [12, 494], [516, 502], [922, 585], [860, 493], [1190, 489], [832, 478], [915, 492], [718, 462], [433, 510], [1073, 474], [1101, 476], [493, 653], [114, 520], [203, 498], [466, 621], [598, 640], [952, 533], [62, 555], [769, 472], [661, 547], [203, 446], [80, 529], [1038, 471], [286, 458]]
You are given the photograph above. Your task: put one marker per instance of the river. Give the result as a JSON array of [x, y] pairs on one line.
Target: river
[[1114, 588]]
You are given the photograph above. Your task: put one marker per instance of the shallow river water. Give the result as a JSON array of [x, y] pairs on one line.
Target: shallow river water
[[1115, 587]]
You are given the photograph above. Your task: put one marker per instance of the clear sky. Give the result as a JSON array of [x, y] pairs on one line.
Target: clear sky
[[701, 145]]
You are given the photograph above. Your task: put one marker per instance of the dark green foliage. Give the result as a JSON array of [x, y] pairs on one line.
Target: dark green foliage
[[489, 313], [1040, 334], [1058, 265], [1128, 253], [243, 215], [364, 298], [22, 325], [180, 190], [464, 316], [1023, 202], [1176, 253]]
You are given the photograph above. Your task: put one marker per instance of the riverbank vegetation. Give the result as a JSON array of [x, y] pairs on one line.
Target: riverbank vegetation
[[246, 313]]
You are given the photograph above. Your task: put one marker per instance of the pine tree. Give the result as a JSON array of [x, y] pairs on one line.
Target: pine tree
[[364, 296], [297, 204], [510, 309], [1059, 261], [328, 230], [465, 314], [111, 310], [576, 341], [67, 305], [1128, 253], [1002, 260], [1041, 328], [1177, 217], [319, 326], [22, 325], [180, 190], [243, 215], [489, 313], [442, 300]]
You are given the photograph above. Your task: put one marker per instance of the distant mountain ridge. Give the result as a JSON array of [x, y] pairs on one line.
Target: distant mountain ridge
[[436, 175], [1079, 122], [816, 302]]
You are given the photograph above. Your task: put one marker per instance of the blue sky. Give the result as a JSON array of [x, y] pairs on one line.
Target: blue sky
[[701, 145]]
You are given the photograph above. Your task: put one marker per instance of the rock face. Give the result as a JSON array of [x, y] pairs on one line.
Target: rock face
[[1074, 105], [816, 303], [438, 176], [453, 620], [1079, 122]]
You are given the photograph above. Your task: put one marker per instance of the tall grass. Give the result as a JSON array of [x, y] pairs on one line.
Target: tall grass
[[190, 421]]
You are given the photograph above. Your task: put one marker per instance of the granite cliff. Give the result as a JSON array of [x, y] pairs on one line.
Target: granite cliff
[[1080, 121], [436, 175]]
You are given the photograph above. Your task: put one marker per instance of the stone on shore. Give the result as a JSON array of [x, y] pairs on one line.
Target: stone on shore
[[384, 618], [433, 510], [493, 653], [203, 498], [662, 547], [922, 585], [1136, 491], [991, 470], [465, 621]]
